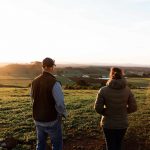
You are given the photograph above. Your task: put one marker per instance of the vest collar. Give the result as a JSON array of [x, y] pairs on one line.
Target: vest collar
[[45, 73]]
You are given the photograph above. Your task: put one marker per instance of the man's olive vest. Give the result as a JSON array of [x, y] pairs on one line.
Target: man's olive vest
[[43, 100]]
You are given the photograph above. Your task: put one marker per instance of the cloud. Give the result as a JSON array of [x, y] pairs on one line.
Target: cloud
[[137, 1]]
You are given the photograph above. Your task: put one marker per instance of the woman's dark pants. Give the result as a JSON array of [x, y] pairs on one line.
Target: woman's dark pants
[[114, 138]]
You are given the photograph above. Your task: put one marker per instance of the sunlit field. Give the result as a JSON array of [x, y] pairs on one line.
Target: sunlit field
[[139, 82], [82, 120]]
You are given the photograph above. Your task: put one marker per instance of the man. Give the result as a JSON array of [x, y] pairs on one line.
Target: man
[[48, 107]]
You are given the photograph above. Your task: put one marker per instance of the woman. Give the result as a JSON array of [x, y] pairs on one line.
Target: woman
[[114, 102]]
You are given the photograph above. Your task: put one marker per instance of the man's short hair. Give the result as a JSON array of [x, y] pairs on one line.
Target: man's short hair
[[48, 62]]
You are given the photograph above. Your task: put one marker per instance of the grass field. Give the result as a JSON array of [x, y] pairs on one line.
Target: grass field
[[82, 121], [139, 82], [24, 82]]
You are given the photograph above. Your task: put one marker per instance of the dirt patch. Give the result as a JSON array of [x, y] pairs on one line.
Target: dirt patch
[[84, 144], [99, 144], [78, 144]]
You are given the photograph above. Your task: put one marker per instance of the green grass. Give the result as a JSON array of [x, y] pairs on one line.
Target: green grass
[[140, 121], [24, 82], [64, 80], [16, 82], [82, 120], [15, 112], [139, 82]]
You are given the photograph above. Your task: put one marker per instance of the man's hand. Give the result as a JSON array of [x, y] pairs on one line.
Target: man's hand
[[60, 119]]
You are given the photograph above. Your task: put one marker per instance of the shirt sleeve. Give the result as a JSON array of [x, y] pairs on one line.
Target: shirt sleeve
[[59, 99]]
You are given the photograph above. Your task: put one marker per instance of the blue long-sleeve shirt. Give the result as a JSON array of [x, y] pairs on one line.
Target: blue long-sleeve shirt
[[59, 99]]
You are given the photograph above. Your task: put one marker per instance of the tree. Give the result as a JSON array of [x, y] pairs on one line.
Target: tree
[[82, 82]]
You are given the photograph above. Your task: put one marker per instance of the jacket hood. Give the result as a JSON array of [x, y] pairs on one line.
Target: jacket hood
[[117, 83]]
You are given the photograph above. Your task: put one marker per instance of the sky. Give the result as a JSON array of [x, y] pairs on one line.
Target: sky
[[75, 31]]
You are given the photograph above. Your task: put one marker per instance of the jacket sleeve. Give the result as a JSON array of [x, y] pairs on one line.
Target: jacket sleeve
[[132, 105], [99, 103]]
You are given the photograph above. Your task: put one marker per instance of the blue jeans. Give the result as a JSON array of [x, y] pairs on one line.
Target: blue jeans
[[55, 133], [114, 138]]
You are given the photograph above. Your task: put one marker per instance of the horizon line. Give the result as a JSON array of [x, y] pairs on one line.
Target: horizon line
[[82, 64]]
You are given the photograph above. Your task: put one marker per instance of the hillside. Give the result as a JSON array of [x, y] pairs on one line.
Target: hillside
[[83, 77], [21, 70], [33, 69]]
